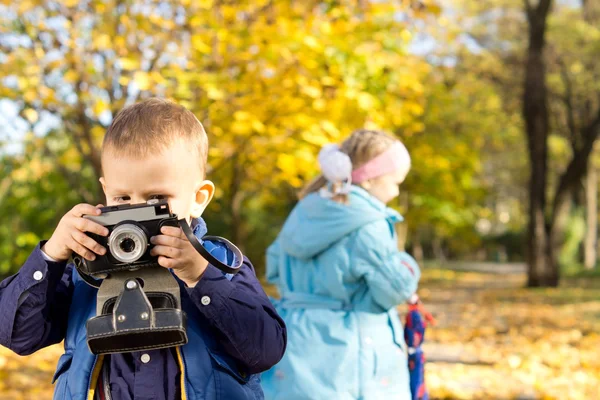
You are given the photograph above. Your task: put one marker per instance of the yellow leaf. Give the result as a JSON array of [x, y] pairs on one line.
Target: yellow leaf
[[328, 81], [71, 76], [98, 132], [258, 126], [25, 6], [26, 239], [142, 80], [242, 115], [240, 127], [325, 28], [312, 91], [30, 114], [316, 138], [406, 35], [286, 162], [100, 107], [366, 101], [215, 94], [319, 105], [102, 41], [330, 128], [157, 77], [312, 42], [30, 96], [128, 63], [577, 67], [199, 44], [124, 80]]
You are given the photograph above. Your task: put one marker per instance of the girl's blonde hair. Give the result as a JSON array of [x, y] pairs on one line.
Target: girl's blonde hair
[[361, 146]]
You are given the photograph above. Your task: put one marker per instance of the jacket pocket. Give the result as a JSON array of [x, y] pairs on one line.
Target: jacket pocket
[[64, 362]]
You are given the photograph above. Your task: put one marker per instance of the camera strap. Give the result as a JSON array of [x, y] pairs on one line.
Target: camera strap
[[212, 260], [86, 278]]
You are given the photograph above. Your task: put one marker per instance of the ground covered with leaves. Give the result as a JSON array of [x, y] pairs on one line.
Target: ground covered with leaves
[[497, 340], [494, 340]]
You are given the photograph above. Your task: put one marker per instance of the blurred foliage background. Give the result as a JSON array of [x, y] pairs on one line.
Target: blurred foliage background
[[272, 81]]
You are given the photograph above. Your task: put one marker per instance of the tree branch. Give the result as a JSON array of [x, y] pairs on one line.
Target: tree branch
[[577, 168], [543, 8], [528, 9], [567, 99]]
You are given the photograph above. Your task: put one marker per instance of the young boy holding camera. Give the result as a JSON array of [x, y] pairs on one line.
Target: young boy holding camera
[[153, 150]]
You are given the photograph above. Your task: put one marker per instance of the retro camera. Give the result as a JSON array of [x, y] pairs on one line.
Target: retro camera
[[138, 305], [138, 302], [128, 244]]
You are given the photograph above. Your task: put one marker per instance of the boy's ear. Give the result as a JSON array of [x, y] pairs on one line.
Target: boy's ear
[[204, 194]]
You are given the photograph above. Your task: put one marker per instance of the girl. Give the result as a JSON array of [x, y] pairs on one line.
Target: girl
[[341, 276]]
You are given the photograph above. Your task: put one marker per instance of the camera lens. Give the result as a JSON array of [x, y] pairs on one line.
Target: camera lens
[[127, 245]]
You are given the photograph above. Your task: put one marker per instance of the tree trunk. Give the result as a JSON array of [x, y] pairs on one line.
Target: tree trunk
[[591, 205], [438, 250], [417, 250], [591, 10], [542, 266]]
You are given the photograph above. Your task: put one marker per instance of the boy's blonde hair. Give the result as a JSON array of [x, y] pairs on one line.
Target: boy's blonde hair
[[153, 125], [361, 146]]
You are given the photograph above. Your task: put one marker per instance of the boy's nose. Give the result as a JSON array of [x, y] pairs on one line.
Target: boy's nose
[[137, 200]]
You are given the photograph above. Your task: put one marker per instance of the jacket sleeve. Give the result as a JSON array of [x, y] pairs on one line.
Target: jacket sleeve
[[392, 275], [34, 304], [246, 323]]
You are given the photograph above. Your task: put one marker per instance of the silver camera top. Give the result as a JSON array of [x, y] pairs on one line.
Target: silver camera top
[[151, 210]]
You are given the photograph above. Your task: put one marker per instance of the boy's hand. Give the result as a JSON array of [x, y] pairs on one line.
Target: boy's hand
[[70, 236], [175, 251]]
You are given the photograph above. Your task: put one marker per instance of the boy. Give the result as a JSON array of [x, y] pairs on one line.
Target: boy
[[153, 149]]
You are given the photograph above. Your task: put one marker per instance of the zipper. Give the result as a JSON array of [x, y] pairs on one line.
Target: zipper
[[94, 377], [183, 368]]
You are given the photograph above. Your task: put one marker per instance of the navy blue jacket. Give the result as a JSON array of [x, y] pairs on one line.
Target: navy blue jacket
[[232, 337]]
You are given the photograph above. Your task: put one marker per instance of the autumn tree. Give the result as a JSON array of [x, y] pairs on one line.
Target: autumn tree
[[546, 76], [271, 80]]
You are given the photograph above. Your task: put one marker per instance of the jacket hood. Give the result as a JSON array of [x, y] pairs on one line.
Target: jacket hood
[[316, 222]]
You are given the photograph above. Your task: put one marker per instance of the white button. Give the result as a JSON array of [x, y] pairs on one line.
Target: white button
[[368, 340], [205, 300], [38, 275], [145, 358]]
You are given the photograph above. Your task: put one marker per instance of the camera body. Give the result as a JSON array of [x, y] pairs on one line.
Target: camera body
[[137, 307], [128, 244]]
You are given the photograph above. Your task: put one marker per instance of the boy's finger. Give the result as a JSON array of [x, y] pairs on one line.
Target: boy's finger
[[166, 251], [166, 262], [89, 243], [85, 225], [166, 241], [172, 231], [84, 209], [81, 250]]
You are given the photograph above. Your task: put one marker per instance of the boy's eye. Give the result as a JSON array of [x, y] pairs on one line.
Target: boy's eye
[[157, 197], [122, 199]]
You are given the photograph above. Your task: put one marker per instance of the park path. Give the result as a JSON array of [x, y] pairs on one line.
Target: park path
[[461, 370]]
